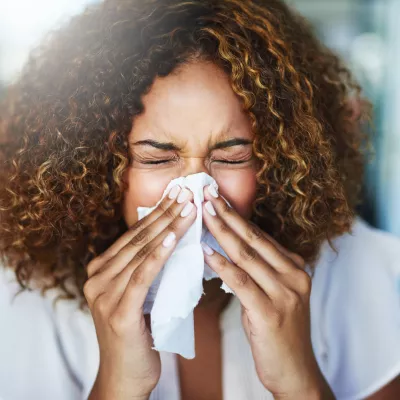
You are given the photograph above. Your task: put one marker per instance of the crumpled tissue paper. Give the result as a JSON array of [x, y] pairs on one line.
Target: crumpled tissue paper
[[179, 286]]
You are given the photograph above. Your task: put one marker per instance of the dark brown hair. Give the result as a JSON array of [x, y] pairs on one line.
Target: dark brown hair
[[66, 121]]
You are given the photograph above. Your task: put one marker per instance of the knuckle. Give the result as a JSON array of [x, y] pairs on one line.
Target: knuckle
[[254, 233], [292, 300], [93, 266], [141, 222], [101, 305], [173, 226], [137, 225], [170, 213], [142, 254], [247, 253], [164, 205], [156, 255], [222, 263], [137, 277], [141, 238], [299, 260], [118, 324], [88, 290], [104, 267], [241, 277], [223, 227], [304, 282], [225, 209]]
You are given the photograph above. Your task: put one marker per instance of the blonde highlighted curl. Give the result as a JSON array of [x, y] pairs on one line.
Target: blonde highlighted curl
[[65, 123]]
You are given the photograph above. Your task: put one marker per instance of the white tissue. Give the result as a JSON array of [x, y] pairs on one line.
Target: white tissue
[[179, 286]]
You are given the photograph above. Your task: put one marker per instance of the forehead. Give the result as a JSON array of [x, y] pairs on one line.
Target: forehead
[[194, 103]]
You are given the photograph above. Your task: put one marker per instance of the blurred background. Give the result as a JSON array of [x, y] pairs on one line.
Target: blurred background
[[366, 33]]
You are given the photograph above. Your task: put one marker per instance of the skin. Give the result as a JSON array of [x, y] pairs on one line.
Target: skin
[[192, 110]]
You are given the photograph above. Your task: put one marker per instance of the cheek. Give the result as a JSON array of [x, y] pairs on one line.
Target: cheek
[[144, 189], [239, 188]]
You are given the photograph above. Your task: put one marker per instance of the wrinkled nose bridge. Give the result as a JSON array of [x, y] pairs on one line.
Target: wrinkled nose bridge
[[194, 165]]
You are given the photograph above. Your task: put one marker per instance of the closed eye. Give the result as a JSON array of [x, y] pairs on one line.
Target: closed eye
[[156, 162], [230, 162], [220, 161]]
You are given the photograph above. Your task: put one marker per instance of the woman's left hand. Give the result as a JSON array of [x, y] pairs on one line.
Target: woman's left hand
[[274, 291]]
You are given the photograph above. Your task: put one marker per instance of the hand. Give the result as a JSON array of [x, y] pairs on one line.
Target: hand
[[274, 292], [119, 280]]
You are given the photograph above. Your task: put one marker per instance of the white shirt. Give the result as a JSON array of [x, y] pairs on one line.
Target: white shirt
[[48, 353]]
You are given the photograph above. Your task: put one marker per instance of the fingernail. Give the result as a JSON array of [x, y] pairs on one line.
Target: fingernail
[[169, 239], [207, 249], [183, 196], [174, 192], [211, 189], [210, 208], [186, 210]]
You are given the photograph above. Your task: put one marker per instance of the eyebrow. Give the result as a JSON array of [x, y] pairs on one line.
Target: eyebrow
[[170, 146]]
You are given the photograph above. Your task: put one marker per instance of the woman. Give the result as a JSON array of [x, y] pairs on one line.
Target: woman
[[132, 94]]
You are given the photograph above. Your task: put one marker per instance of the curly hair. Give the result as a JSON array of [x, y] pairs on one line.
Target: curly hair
[[66, 121]]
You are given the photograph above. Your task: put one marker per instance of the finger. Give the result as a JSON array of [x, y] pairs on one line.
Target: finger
[[274, 281], [244, 256], [107, 302], [118, 283], [111, 294], [129, 258], [138, 285], [267, 248], [245, 288], [296, 258], [143, 232]]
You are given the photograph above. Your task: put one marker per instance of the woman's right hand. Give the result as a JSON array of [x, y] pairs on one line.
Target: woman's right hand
[[117, 285]]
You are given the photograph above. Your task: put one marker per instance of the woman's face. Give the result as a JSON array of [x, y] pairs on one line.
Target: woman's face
[[198, 120]]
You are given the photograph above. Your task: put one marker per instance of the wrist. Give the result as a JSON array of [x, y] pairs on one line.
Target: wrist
[[318, 390], [107, 388], [316, 394], [321, 391], [102, 392]]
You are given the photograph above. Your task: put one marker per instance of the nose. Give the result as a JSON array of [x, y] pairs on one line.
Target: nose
[[194, 165]]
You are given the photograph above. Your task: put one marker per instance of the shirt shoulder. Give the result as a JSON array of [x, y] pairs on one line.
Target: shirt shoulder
[[355, 307], [50, 347]]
